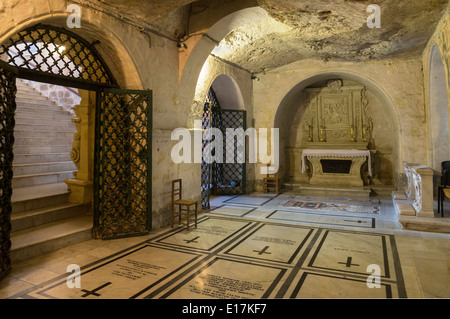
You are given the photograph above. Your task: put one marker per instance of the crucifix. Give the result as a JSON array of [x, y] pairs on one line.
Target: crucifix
[[94, 291], [263, 251]]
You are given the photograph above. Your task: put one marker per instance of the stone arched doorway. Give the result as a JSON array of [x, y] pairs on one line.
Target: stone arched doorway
[[223, 111], [52, 54]]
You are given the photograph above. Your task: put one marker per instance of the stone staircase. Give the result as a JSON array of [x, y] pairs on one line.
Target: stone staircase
[[42, 218]]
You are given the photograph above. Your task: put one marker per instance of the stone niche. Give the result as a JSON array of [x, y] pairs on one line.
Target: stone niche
[[336, 118]]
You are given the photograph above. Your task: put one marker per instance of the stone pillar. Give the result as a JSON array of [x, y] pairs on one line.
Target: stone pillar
[[423, 190], [81, 187]]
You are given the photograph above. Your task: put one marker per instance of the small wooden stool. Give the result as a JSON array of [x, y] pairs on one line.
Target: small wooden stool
[[184, 205]]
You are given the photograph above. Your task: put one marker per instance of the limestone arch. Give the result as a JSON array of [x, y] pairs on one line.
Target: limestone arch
[[283, 120], [192, 75], [111, 47], [438, 110]]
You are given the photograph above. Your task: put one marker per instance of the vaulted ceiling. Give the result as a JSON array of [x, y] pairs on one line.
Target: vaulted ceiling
[[290, 30]]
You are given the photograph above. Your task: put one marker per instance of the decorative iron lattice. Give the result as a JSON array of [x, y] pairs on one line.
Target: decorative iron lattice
[[7, 110], [58, 52], [122, 191], [230, 176], [207, 182]]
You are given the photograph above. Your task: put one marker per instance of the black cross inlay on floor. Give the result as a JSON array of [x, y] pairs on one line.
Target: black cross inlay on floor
[[94, 291], [193, 240], [348, 263], [263, 251]]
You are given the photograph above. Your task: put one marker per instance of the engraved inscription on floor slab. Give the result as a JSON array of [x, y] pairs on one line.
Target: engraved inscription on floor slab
[[114, 278], [208, 234], [226, 279], [228, 257], [277, 243]]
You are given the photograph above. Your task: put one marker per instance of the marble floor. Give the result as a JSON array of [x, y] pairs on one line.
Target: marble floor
[[253, 246]]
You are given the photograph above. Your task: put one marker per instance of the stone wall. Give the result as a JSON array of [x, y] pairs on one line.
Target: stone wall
[[397, 84]]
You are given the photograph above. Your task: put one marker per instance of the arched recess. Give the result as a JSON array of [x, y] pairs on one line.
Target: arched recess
[[104, 37], [228, 92], [223, 109], [49, 52], [194, 74], [438, 110], [290, 110]]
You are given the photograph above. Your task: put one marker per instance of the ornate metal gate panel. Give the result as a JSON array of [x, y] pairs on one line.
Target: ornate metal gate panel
[[7, 110], [207, 182], [230, 176], [122, 182]]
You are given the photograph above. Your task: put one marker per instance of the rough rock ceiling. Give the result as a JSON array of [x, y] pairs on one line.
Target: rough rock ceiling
[[331, 30], [291, 30]]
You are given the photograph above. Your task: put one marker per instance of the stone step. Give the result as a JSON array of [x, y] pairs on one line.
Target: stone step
[[37, 100], [27, 94], [36, 241], [48, 134], [38, 106], [42, 178], [38, 168], [46, 121], [38, 196], [60, 114], [24, 109], [41, 216], [44, 141], [41, 158], [33, 149], [43, 127]]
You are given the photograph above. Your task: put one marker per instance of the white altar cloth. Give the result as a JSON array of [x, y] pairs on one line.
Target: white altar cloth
[[335, 153]]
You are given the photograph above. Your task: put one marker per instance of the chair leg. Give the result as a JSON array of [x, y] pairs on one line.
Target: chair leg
[[171, 216], [187, 217], [196, 203], [179, 214], [439, 201]]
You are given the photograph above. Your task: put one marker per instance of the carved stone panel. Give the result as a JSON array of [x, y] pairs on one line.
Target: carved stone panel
[[336, 116]]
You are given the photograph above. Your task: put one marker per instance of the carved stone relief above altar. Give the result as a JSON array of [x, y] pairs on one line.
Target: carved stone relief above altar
[[336, 116]]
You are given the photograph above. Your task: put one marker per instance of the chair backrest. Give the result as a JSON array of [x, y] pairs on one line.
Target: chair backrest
[[445, 170], [176, 189]]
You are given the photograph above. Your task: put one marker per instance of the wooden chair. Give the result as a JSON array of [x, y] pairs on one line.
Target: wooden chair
[[272, 183], [184, 205]]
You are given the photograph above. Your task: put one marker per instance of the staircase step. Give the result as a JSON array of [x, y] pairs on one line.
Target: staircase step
[[25, 109], [38, 217], [41, 158], [33, 149], [42, 178], [27, 94], [44, 141], [68, 134], [38, 196], [38, 168], [43, 239], [35, 100], [46, 121], [27, 114], [43, 127]]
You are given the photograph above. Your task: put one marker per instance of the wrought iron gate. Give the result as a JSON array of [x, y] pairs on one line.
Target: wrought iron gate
[[223, 178], [230, 175], [122, 181], [7, 110]]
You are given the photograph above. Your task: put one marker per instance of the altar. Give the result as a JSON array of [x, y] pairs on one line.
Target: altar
[[336, 166]]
